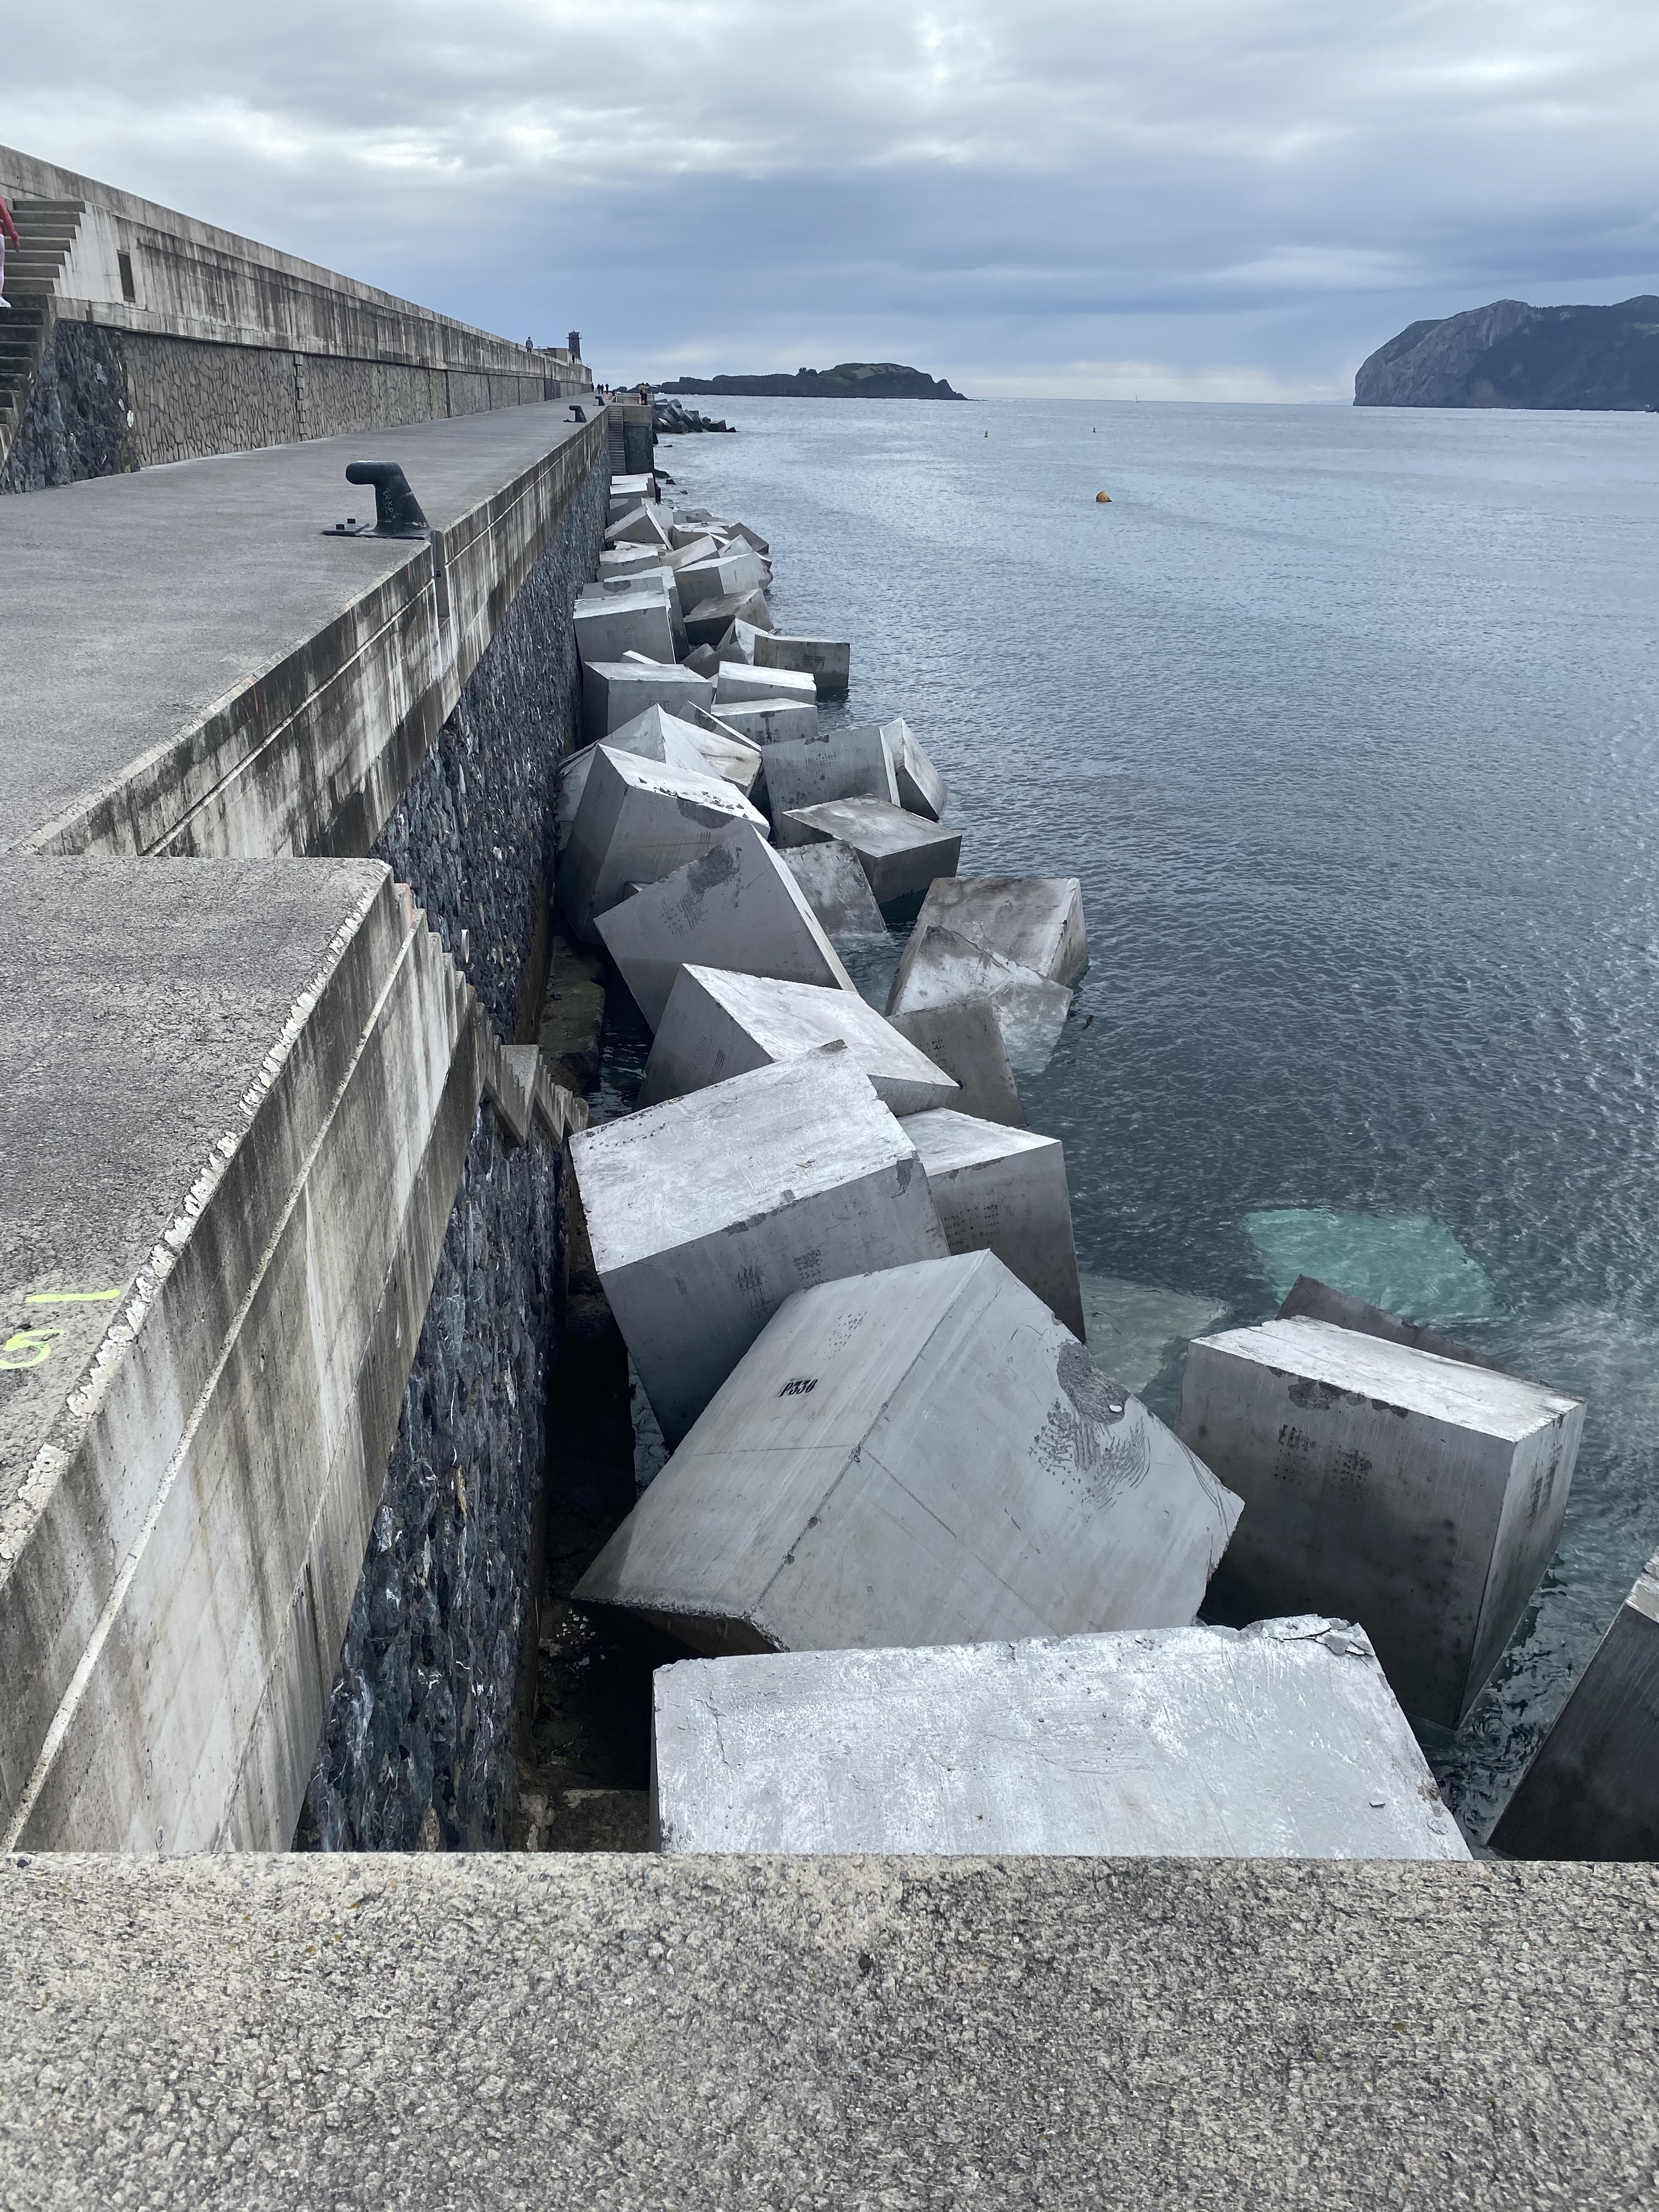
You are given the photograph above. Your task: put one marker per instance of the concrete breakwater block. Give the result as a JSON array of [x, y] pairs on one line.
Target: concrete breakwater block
[[838, 891], [726, 574], [1003, 1190], [900, 854], [1034, 921], [829, 664], [921, 1455], [627, 492], [1418, 1496], [640, 526], [1592, 1789], [718, 1025], [647, 586], [624, 621], [833, 764], [636, 823], [659, 736], [963, 1037], [628, 560], [706, 1214], [615, 691], [737, 681], [1134, 1330], [921, 785], [769, 721], [1282, 1741], [939, 967], [736, 907]]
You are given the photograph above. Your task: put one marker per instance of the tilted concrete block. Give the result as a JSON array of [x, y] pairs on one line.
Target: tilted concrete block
[[899, 853], [921, 785], [737, 907], [642, 526], [1036, 921], [628, 560], [706, 1214], [922, 1455], [735, 683], [962, 1037], [838, 891], [1591, 1790], [710, 620], [638, 822], [1418, 1496], [829, 664], [719, 1024], [720, 577], [1283, 1741], [629, 492], [1003, 1190], [738, 644], [623, 621], [615, 691], [834, 765], [939, 967], [769, 721], [658, 735]]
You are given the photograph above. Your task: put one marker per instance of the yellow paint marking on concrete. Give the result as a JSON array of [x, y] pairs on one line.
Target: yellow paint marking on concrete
[[67, 1297]]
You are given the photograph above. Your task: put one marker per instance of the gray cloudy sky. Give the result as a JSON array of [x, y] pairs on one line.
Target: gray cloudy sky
[[1184, 199]]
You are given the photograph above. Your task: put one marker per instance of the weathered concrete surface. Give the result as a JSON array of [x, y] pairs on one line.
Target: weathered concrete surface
[[710, 619], [769, 721], [1282, 1741], [939, 967], [737, 907], [1003, 1190], [624, 621], [1311, 1300], [827, 662], [1036, 921], [1591, 1790], [922, 1455], [885, 2035], [921, 785], [718, 1025], [704, 1214], [659, 736], [639, 821], [615, 691], [900, 853], [962, 1037], [836, 889], [834, 765], [737, 683], [1418, 1496]]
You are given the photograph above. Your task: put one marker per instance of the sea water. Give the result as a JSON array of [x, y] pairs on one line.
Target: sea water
[[1348, 719]]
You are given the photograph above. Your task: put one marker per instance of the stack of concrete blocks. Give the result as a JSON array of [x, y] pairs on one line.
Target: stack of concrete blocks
[[827, 663], [637, 822], [736, 907], [659, 736], [1003, 1190], [706, 1214], [1592, 1789], [628, 560], [1420, 1495], [718, 1024], [650, 584], [833, 764], [918, 1455], [901, 854], [838, 891], [624, 617], [1283, 1741], [771, 707], [615, 691], [964, 1037], [1019, 941], [628, 493]]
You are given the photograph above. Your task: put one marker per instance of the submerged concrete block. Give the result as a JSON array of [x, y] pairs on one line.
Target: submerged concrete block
[[737, 682], [1591, 1790], [900, 854], [769, 721], [615, 691], [963, 1037], [638, 822], [1418, 1496], [833, 764], [1036, 921], [709, 622], [1003, 1190], [922, 1455], [838, 891], [939, 967], [706, 1214], [827, 663], [921, 785], [1283, 1741], [737, 907], [719, 1024], [624, 621]]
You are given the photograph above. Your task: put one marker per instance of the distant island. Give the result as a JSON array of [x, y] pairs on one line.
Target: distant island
[[1509, 355], [849, 379]]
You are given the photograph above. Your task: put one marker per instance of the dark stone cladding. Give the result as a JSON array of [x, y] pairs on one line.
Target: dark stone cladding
[[419, 1743], [75, 425]]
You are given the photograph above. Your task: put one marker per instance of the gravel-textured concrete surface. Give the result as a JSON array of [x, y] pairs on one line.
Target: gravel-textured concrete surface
[[721, 2032]]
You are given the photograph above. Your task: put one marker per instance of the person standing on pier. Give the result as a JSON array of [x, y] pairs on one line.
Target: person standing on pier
[[8, 231]]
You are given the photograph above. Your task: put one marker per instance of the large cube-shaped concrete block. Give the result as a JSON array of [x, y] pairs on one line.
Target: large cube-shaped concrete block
[[838, 891], [769, 721], [659, 736], [1591, 1790], [736, 907], [962, 1037], [628, 560], [638, 822], [1283, 1741], [1003, 1190], [710, 621], [921, 785], [640, 526], [901, 854], [738, 682], [624, 621], [829, 664], [834, 765], [939, 968], [718, 1024], [615, 691], [706, 1214], [1036, 921], [727, 573], [1418, 1496], [924, 1456]]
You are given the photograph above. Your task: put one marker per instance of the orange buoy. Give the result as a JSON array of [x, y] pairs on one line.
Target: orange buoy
[[1102, 499]]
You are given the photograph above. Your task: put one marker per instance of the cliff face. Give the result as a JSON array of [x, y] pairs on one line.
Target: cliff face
[[1510, 354], [849, 379]]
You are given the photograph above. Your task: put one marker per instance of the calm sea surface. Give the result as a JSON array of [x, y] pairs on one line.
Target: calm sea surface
[[1349, 721]]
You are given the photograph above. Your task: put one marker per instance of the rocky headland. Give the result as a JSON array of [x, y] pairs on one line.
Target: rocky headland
[[1510, 354], [849, 379]]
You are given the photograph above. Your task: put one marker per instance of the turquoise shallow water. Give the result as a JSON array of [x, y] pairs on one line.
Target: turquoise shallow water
[[1349, 721]]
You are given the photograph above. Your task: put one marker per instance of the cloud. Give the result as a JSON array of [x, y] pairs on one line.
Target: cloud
[[1248, 194]]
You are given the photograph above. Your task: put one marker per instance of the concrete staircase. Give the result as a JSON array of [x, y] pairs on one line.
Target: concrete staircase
[[48, 230]]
